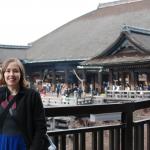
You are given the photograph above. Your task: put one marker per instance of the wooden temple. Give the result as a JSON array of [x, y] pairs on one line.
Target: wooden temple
[[126, 62]]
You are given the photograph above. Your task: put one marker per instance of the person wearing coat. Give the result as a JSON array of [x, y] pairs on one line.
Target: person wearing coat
[[23, 127]]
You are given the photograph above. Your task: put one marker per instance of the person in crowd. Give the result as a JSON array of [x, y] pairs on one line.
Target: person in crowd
[[58, 89], [79, 91], [23, 125], [127, 87]]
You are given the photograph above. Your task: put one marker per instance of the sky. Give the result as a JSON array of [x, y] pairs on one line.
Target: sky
[[25, 21]]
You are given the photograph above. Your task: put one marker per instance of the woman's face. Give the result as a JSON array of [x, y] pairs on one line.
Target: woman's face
[[12, 75]]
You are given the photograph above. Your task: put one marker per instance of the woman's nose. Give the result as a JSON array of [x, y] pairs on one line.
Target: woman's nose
[[11, 73]]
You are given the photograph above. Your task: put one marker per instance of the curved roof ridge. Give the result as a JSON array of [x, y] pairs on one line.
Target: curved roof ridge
[[115, 3], [136, 29], [15, 46]]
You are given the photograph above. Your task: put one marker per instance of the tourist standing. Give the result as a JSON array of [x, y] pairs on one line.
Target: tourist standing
[[22, 126]]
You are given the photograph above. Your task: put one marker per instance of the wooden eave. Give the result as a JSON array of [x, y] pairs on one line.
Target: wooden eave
[[125, 35], [110, 55], [134, 41], [122, 60]]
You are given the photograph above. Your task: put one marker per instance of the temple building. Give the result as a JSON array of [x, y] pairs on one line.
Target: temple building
[[55, 56], [126, 62]]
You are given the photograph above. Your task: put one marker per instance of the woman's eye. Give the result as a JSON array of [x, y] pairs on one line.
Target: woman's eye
[[14, 71], [7, 71]]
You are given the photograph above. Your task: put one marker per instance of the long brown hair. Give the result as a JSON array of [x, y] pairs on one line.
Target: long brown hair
[[23, 82]]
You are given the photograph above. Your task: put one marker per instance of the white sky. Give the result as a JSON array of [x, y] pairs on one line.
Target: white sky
[[24, 21]]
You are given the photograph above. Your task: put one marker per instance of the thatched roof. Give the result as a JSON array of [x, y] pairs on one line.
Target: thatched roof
[[88, 35], [91, 33], [7, 51]]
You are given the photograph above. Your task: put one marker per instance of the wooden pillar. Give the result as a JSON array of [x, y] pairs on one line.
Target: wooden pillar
[[84, 75], [100, 81], [84, 83], [148, 77], [122, 80], [110, 79], [53, 80], [132, 84], [66, 75], [135, 79], [41, 75]]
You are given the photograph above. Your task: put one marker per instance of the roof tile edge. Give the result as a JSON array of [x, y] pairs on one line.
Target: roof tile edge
[[15, 46], [135, 29], [115, 3]]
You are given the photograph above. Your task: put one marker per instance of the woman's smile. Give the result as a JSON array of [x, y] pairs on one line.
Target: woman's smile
[[12, 75]]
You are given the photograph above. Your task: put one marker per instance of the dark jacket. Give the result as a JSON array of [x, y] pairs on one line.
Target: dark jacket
[[29, 116]]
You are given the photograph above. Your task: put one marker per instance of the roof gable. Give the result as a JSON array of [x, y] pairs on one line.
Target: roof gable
[[131, 40], [132, 46]]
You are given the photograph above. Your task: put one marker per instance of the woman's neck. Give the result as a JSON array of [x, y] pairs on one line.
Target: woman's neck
[[13, 90]]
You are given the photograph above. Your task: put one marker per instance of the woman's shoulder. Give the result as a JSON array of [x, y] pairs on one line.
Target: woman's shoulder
[[32, 95], [2, 88], [2, 92], [30, 91]]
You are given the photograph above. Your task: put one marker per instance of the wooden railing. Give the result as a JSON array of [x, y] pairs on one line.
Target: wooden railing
[[63, 100], [127, 135], [128, 95]]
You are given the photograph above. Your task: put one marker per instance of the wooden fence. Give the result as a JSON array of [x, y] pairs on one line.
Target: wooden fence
[[127, 135]]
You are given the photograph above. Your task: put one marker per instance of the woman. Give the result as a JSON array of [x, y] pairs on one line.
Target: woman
[[24, 126]]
